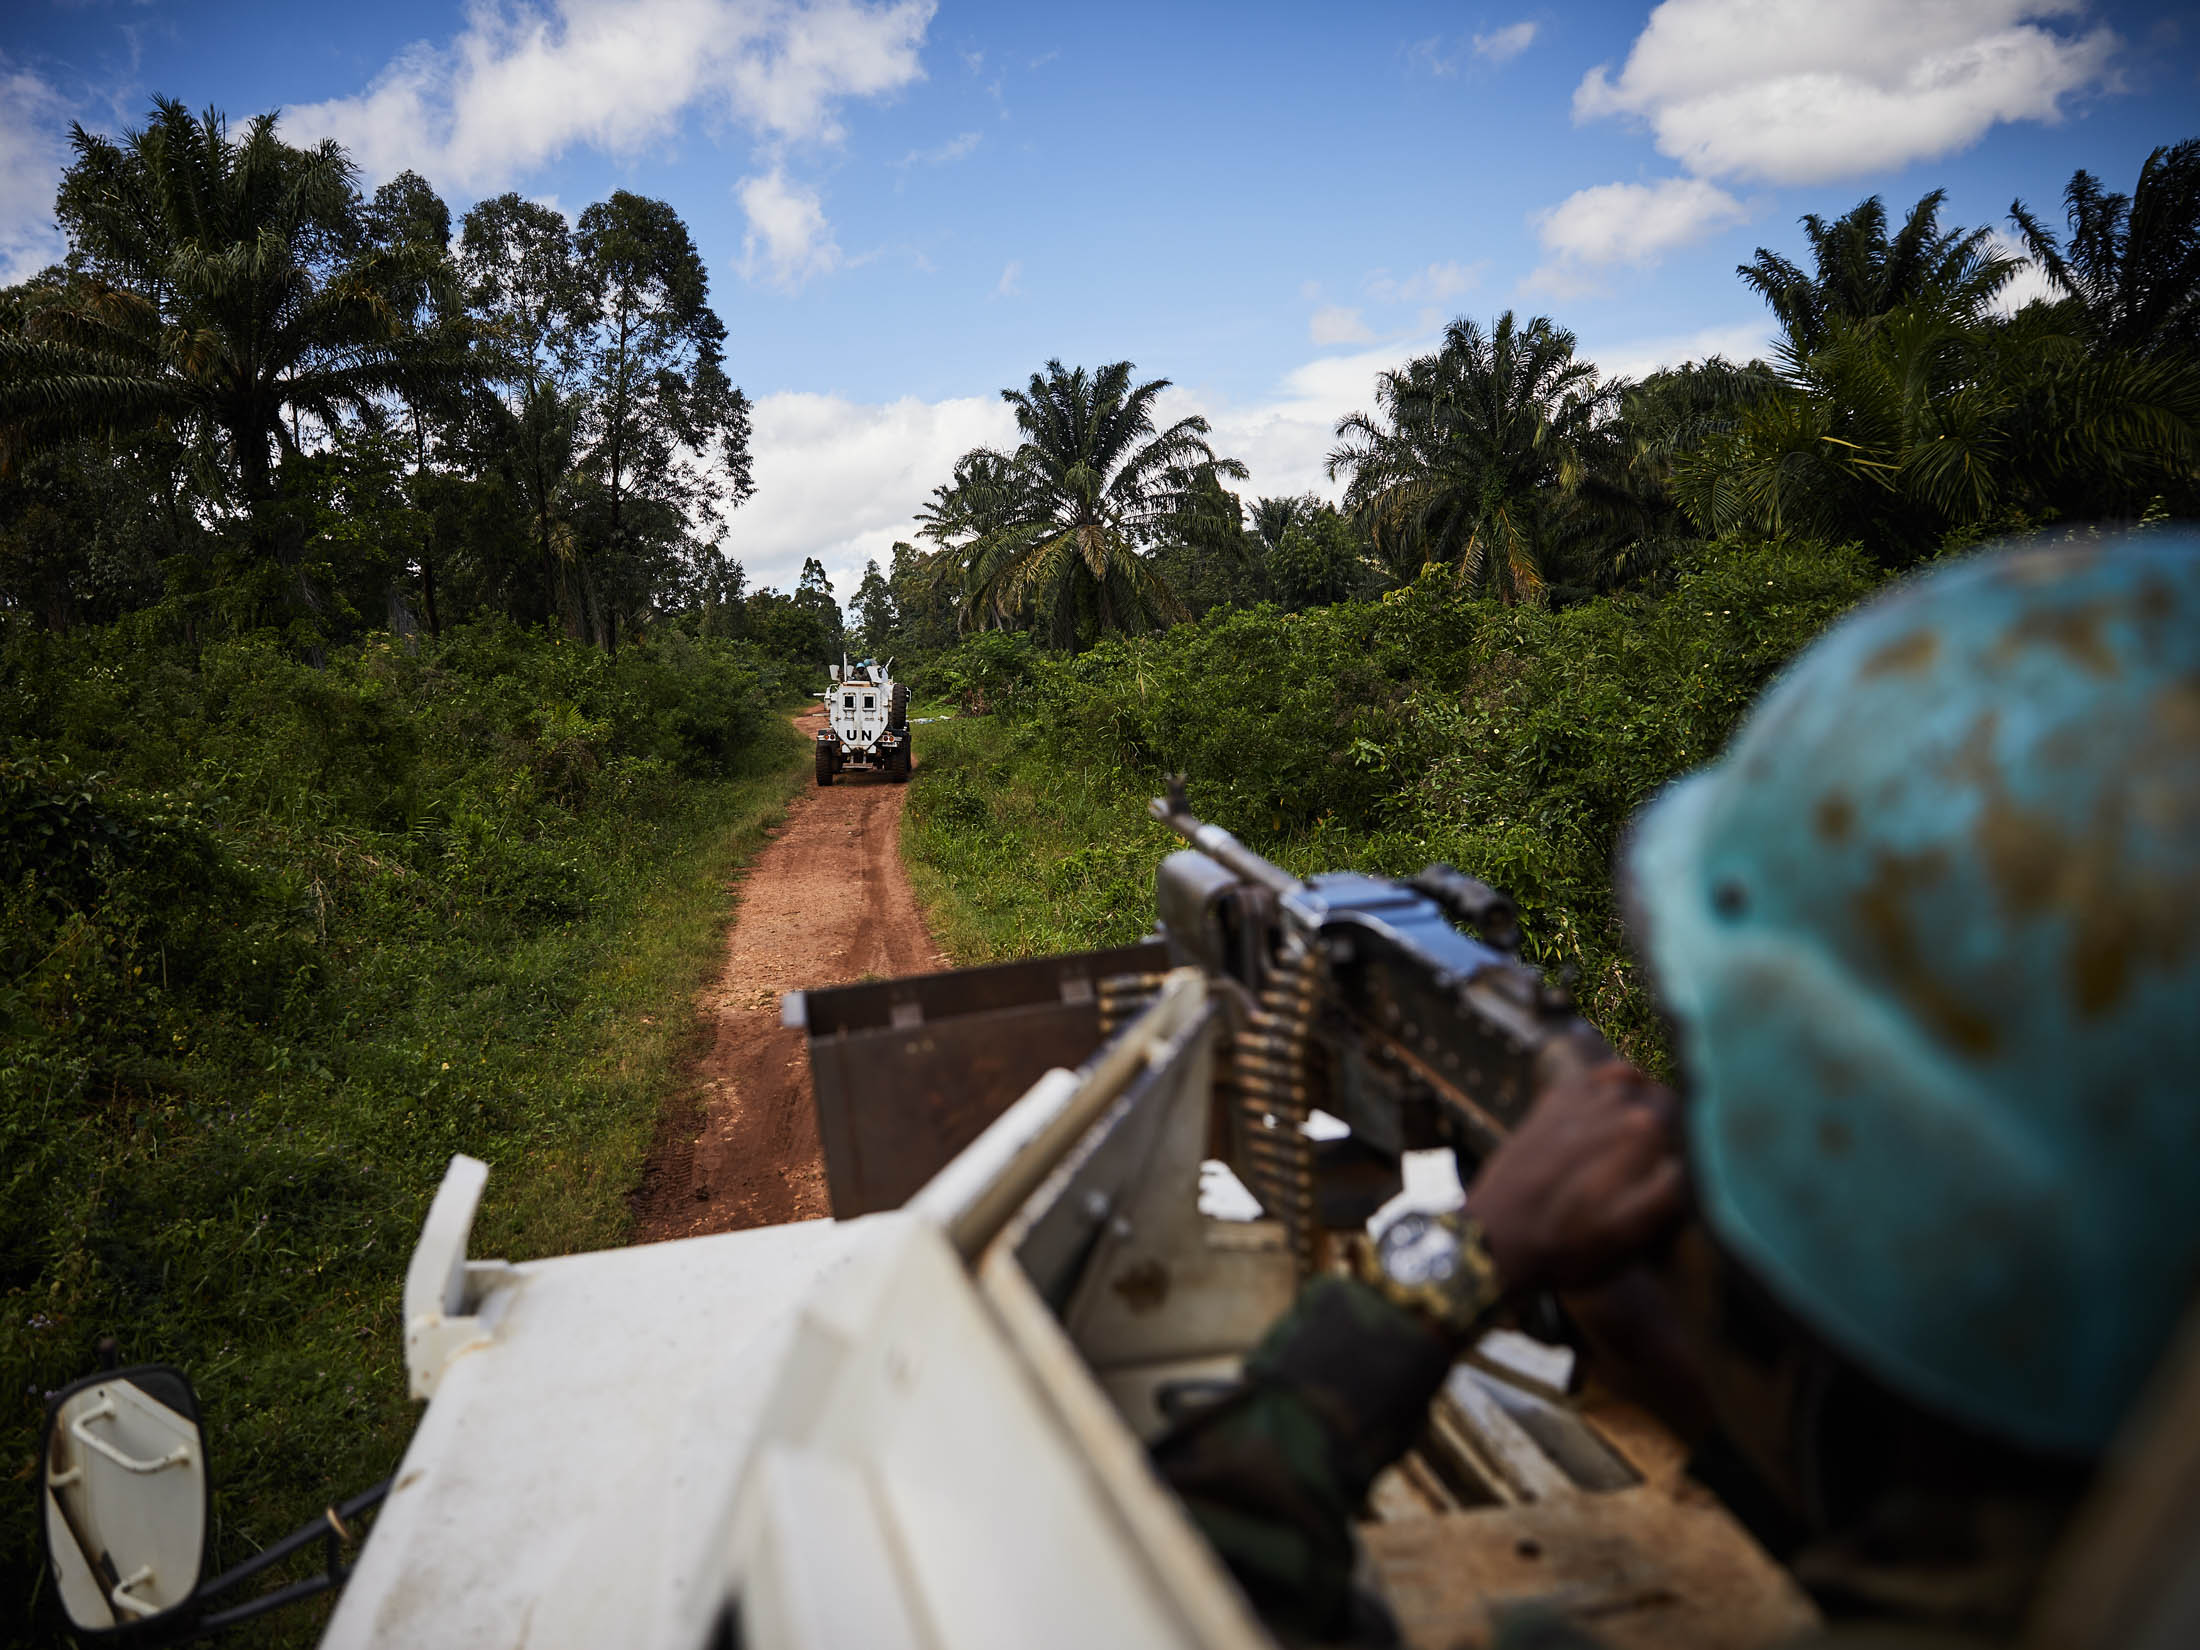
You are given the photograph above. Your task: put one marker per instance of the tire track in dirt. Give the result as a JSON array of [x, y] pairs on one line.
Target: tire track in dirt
[[826, 902]]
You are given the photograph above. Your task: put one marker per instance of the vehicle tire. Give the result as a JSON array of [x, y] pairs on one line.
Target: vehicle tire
[[897, 709], [826, 764], [901, 765]]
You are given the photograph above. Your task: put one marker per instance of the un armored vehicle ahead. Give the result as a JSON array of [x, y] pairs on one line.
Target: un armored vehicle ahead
[[866, 723]]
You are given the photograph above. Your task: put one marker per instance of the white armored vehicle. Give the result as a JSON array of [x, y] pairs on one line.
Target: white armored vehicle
[[866, 723]]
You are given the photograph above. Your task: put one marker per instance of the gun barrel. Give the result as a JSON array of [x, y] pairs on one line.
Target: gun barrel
[[1219, 845]]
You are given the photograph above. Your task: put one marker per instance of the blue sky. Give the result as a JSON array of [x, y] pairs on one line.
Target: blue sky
[[906, 206]]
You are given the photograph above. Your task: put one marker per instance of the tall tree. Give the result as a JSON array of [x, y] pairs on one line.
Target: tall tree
[[1914, 424], [1316, 556], [1090, 490], [876, 618], [665, 433], [924, 607], [216, 287], [1858, 270], [1471, 450], [1619, 524], [525, 292], [813, 593], [1272, 518], [2131, 269], [964, 512], [408, 222]]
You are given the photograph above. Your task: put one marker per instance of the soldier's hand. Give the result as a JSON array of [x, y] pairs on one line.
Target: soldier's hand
[[1591, 1177]]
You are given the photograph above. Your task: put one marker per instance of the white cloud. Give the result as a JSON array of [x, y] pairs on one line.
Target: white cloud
[[33, 149], [841, 480], [1498, 46], [1336, 324], [1505, 44], [1285, 439], [788, 239], [1429, 54], [1629, 223], [1011, 283], [954, 149], [1560, 281], [1639, 357], [1798, 91], [2031, 283], [1438, 283], [522, 83]]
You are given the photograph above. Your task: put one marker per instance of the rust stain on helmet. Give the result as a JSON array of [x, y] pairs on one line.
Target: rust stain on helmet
[[2124, 915], [2175, 716], [2074, 631], [1905, 654], [1884, 907]]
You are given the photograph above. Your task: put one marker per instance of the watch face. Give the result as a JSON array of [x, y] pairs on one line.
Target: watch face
[[1417, 1250]]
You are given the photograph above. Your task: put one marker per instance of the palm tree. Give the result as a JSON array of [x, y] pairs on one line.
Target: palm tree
[[217, 286], [1617, 524], [1272, 518], [962, 514], [1859, 271], [1470, 451], [1064, 526], [1903, 409], [2132, 269], [1912, 424]]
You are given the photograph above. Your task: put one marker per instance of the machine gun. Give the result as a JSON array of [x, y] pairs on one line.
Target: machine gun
[[1402, 1009]]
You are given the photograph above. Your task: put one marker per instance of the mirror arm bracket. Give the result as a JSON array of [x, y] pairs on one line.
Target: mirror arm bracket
[[443, 1289], [80, 1428]]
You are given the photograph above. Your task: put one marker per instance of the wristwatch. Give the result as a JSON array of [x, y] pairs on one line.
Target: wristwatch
[[1437, 1267]]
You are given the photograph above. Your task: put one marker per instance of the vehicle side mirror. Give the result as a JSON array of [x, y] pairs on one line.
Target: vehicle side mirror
[[124, 1497]]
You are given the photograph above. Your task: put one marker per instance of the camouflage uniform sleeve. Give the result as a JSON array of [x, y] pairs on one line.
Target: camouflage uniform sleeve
[[1274, 1474]]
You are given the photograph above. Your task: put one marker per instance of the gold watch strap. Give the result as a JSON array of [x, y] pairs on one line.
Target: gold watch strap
[[1456, 1302]]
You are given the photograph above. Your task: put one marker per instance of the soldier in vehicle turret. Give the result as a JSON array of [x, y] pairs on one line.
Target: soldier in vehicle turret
[[1905, 1244]]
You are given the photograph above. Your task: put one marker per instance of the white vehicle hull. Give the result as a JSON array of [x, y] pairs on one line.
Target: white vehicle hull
[[927, 1427], [865, 1432]]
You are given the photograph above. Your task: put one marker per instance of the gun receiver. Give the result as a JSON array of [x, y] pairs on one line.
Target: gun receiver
[[1363, 997]]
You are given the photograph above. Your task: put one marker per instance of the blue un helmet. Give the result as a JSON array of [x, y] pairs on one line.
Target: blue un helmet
[[1930, 935]]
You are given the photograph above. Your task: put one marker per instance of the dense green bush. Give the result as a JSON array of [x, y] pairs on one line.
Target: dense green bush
[[274, 942], [1381, 735]]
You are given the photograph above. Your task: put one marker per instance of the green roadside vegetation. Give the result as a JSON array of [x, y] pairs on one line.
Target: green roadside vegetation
[[1541, 593], [277, 941], [1430, 724]]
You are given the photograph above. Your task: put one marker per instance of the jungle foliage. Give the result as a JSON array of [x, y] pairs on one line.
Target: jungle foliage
[[1904, 406], [1433, 723], [253, 397], [275, 941]]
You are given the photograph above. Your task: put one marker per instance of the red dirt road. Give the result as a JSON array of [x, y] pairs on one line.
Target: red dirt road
[[825, 903]]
